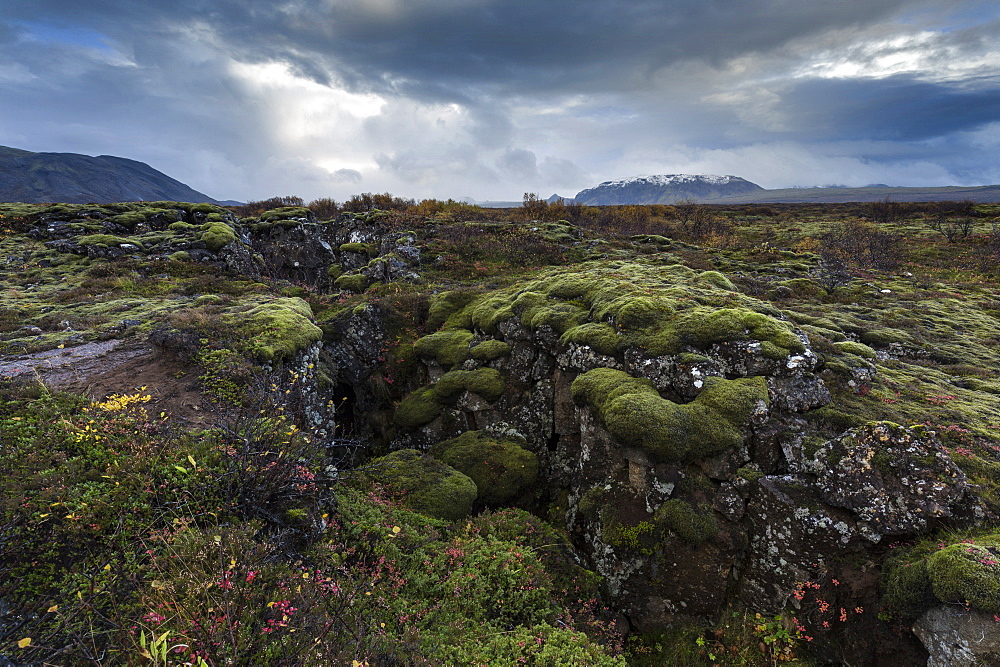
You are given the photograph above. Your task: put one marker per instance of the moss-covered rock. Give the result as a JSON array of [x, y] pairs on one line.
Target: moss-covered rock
[[857, 349], [611, 306], [600, 336], [634, 413], [486, 382], [353, 282], [501, 469], [217, 235], [102, 239], [691, 525], [417, 409], [425, 484], [702, 327], [966, 574], [448, 347], [446, 304], [129, 220], [360, 248], [274, 329], [716, 279], [489, 350], [291, 213], [962, 571]]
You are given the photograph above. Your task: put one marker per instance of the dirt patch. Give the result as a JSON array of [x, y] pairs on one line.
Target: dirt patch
[[116, 367]]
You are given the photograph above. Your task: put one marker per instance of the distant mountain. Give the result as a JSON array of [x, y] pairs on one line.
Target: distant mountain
[[665, 189], [81, 179]]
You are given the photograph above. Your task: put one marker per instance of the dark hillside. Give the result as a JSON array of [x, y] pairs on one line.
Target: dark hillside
[[81, 179]]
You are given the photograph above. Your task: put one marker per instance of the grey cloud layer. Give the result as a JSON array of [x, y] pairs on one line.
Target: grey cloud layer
[[553, 93]]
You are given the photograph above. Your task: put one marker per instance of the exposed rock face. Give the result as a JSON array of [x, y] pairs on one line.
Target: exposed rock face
[[956, 637], [895, 480], [674, 452]]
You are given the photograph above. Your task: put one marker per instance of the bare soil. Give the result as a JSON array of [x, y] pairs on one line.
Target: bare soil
[[103, 368]]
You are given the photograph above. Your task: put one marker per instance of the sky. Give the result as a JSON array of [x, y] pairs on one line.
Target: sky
[[489, 99]]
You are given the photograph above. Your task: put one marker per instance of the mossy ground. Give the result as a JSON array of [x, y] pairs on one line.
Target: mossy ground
[[611, 278]]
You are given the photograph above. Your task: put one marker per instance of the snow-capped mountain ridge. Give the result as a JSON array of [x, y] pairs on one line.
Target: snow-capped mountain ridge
[[671, 179], [665, 189]]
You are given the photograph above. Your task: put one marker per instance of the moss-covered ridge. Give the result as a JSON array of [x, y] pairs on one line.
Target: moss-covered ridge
[[635, 413], [425, 404], [614, 305]]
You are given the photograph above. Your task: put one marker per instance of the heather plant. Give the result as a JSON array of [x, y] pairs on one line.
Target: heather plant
[[219, 547]]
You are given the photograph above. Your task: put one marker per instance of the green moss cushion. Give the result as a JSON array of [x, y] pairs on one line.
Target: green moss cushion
[[501, 469], [424, 484]]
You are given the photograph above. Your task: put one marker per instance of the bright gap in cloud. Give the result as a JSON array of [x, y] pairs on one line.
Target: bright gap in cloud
[[926, 54], [302, 99]]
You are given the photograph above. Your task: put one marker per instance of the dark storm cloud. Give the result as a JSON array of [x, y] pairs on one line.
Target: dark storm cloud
[[897, 108], [453, 49], [554, 93]]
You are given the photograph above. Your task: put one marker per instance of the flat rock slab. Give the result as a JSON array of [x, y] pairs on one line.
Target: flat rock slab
[[60, 366], [108, 367]]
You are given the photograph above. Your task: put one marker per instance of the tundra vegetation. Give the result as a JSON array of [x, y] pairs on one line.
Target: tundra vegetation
[[303, 511]]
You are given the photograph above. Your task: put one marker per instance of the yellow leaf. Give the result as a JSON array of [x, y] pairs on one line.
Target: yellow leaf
[[24, 643], [191, 459], [270, 604], [108, 566], [61, 345], [53, 608], [395, 530]]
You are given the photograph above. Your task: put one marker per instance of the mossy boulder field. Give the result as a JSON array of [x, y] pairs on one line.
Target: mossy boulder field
[[386, 432]]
